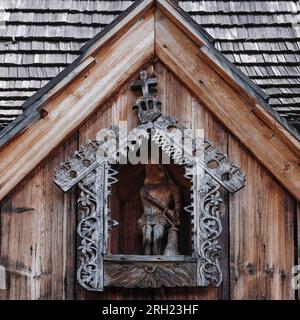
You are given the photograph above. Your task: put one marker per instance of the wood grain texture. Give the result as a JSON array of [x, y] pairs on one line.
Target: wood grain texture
[[117, 27], [277, 152], [67, 111], [117, 109], [230, 73], [178, 101], [261, 233], [37, 234]]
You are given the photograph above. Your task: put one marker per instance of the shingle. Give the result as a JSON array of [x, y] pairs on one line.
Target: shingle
[[14, 94], [239, 6], [8, 113], [12, 104], [43, 36], [251, 32], [261, 38], [260, 19], [66, 5]]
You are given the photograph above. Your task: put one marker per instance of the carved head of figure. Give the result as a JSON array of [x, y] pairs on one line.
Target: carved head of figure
[[155, 173]]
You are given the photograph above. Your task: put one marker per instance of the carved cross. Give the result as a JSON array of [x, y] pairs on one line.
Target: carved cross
[[90, 168], [144, 83]]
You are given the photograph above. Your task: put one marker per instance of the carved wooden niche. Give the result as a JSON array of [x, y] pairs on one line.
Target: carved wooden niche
[[159, 224]]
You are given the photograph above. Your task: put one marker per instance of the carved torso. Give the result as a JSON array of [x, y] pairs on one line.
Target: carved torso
[[165, 194], [90, 167], [161, 203]]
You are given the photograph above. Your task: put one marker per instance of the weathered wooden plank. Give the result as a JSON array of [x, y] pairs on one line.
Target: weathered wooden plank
[[130, 239], [217, 134], [121, 24], [229, 71], [115, 64], [118, 109], [3, 274], [35, 112], [178, 101], [268, 144], [37, 236], [261, 233], [141, 258]]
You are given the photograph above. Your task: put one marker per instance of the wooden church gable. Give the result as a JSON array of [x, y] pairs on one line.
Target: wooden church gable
[[148, 30], [208, 169], [43, 219]]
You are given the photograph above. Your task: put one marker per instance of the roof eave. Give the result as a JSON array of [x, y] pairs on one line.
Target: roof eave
[[33, 105], [247, 84]]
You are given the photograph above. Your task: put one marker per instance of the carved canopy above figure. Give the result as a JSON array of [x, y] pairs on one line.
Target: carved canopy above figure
[[91, 168]]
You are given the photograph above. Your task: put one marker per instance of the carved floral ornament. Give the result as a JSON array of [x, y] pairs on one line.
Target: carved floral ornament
[[91, 168]]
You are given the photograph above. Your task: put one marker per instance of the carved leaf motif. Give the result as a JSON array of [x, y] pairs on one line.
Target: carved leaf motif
[[150, 275], [210, 230], [95, 222], [89, 229]]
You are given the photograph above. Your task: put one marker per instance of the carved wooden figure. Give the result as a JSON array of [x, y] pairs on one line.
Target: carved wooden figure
[[90, 168], [161, 202]]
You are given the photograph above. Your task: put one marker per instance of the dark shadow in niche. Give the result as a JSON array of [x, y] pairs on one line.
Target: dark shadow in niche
[[126, 208]]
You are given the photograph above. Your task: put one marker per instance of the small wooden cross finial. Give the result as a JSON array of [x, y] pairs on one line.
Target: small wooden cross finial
[[144, 83]]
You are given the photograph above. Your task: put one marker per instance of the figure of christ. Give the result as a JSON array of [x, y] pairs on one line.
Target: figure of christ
[[161, 204]]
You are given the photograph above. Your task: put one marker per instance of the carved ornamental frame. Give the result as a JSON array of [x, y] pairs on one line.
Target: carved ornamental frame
[[91, 169]]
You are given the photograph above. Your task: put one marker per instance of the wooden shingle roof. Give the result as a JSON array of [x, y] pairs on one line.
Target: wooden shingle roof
[[39, 38], [262, 38], [148, 29]]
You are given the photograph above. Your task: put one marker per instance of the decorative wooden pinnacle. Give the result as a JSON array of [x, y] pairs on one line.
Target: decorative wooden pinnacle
[[145, 83]]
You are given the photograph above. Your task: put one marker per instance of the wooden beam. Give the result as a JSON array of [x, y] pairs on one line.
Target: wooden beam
[[32, 106], [37, 234], [143, 258], [271, 144], [226, 69], [67, 111]]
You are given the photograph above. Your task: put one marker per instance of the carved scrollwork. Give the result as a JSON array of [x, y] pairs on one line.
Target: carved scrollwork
[[79, 166], [110, 146], [224, 171], [206, 168], [204, 207], [203, 154], [90, 231], [210, 229], [94, 225], [150, 275]]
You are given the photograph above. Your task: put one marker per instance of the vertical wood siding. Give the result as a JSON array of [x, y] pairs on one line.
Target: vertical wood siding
[[38, 234], [38, 221], [261, 233]]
